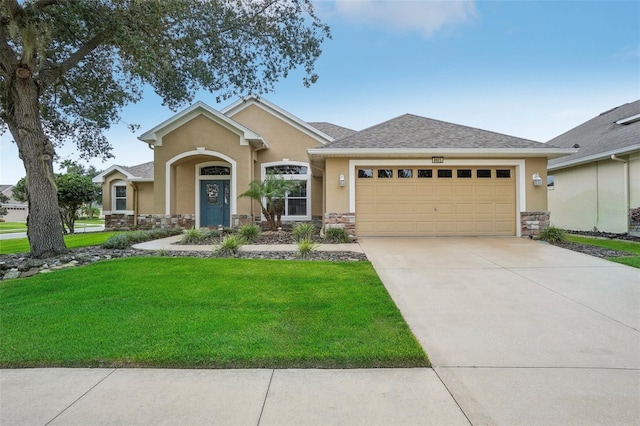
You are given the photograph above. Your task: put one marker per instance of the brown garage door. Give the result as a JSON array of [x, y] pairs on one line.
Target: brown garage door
[[435, 201]]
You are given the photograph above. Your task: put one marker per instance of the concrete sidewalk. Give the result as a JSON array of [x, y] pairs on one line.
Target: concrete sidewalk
[[225, 397], [169, 244]]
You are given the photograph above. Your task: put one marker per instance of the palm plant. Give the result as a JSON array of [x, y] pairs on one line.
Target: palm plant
[[270, 195]]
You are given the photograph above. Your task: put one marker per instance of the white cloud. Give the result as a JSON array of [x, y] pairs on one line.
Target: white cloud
[[424, 16]]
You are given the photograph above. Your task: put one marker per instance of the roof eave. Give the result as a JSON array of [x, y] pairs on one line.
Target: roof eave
[[595, 157], [318, 153]]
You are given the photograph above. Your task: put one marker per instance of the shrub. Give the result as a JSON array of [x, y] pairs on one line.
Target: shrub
[[303, 231], [249, 232], [553, 235], [305, 247], [192, 236], [229, 245], [336, 235], [634, 215], [126, 239]]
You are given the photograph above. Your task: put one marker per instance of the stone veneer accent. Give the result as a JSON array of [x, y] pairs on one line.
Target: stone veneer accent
[[238, 220], [532, 223], [346, 221], [124, 222], [634, 222]]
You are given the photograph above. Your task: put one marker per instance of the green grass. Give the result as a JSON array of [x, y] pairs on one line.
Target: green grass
[[205, 313], [13, 227], [21, 245], [628, 246]]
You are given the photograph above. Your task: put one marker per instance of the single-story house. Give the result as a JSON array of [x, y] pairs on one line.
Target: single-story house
[[409, 176], [597, 187], [17, 211]]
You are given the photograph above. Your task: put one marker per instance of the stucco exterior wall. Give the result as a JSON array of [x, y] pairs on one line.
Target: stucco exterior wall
[[285, 142], [592, 196], [200, 132], [634, 181], [107, 191], [536, 195], [336, 197], [145, 197]]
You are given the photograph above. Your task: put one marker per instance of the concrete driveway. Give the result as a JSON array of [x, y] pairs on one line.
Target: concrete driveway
[[520, 332]]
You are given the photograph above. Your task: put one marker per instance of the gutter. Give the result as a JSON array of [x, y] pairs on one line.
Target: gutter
[[627, 201]]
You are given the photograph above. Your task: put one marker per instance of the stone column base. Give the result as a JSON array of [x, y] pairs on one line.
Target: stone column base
[[346, 221], [532, 223]]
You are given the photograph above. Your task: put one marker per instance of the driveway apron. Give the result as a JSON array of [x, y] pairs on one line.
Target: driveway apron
[[519, 331]]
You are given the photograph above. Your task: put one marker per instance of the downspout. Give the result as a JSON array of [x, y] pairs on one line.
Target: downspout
[[626, 187], [135, 203]]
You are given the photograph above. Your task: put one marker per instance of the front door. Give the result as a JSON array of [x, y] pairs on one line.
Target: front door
[[214, 203]]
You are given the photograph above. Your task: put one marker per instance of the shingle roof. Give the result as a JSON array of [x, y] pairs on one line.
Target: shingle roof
[[333, 130], [412, 131], [601, 136], [144, 170]]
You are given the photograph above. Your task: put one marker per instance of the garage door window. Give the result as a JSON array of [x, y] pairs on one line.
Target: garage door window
[[365, 173], [483, 173], [405, 173], [503, 174], [385, 173], [464, 173], [425, 173], [445, 173]]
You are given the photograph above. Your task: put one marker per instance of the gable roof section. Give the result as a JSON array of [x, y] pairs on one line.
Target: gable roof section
[[412, 135], [278, 112], [139, 173], [154, 136], [616, 131], [333, 130]]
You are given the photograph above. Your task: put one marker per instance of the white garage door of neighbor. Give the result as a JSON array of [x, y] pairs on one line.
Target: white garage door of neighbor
[[435, 201]]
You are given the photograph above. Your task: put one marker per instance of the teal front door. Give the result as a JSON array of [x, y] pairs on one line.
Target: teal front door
[[214, 203]]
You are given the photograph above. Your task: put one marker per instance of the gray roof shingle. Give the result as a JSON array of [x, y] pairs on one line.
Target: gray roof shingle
[[412, 131], [144, 171], [600, 135], [333, 130]]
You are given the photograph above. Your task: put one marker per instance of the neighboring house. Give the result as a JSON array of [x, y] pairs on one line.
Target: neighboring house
[[17, 211], [407, 176], [595, 188]]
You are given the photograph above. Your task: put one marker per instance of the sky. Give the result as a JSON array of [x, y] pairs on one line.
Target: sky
[[531, 69]]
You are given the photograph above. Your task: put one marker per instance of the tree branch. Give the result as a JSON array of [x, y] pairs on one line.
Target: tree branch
[[13, 7], [41, 4], [49, 76]]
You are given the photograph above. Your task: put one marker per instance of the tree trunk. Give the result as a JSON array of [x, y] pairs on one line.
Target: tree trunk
[[44, 228]]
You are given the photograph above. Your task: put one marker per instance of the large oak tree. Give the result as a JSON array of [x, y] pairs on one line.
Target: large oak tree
[[67, 67]]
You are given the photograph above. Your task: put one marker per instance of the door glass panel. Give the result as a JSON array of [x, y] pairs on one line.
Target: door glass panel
[[445, 173], [226, 195], [365, 173], [483, 173], [425, 173], [405, 173], [212, 193], [501, 173], [215, 171], [385, 173], [464, 173]]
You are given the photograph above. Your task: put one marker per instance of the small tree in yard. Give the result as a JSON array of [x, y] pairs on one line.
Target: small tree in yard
[[73, 190], [3, 209], [68, 67], [270, 194]]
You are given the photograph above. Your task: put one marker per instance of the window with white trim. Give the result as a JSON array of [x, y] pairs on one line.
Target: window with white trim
[[297, 203], [119, 195]]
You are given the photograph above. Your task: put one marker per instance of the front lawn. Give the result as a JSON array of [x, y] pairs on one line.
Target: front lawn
[[620, 245], [21, 245], [205, 313], [13, 227]]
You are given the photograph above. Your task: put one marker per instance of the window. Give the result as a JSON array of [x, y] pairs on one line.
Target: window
[[297, 202], [425, 173], [483, 173], [405, 173], [503, 174], [215, 171], [365, 173], [445, 173], [551, 181], [385, 173], [464, 173], [119, 196]]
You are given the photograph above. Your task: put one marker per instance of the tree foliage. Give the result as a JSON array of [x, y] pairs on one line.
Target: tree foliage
[[270, 194], [67, 67], [3, 209]]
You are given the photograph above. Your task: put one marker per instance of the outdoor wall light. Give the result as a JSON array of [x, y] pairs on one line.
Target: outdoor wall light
[[537, 179], [341, 179]]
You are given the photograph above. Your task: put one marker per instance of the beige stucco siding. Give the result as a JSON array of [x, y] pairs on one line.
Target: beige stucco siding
[[144, 197], [285, 142], [536, 195], [337, 197], [593, 196], [200, 132], [107, 191]]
